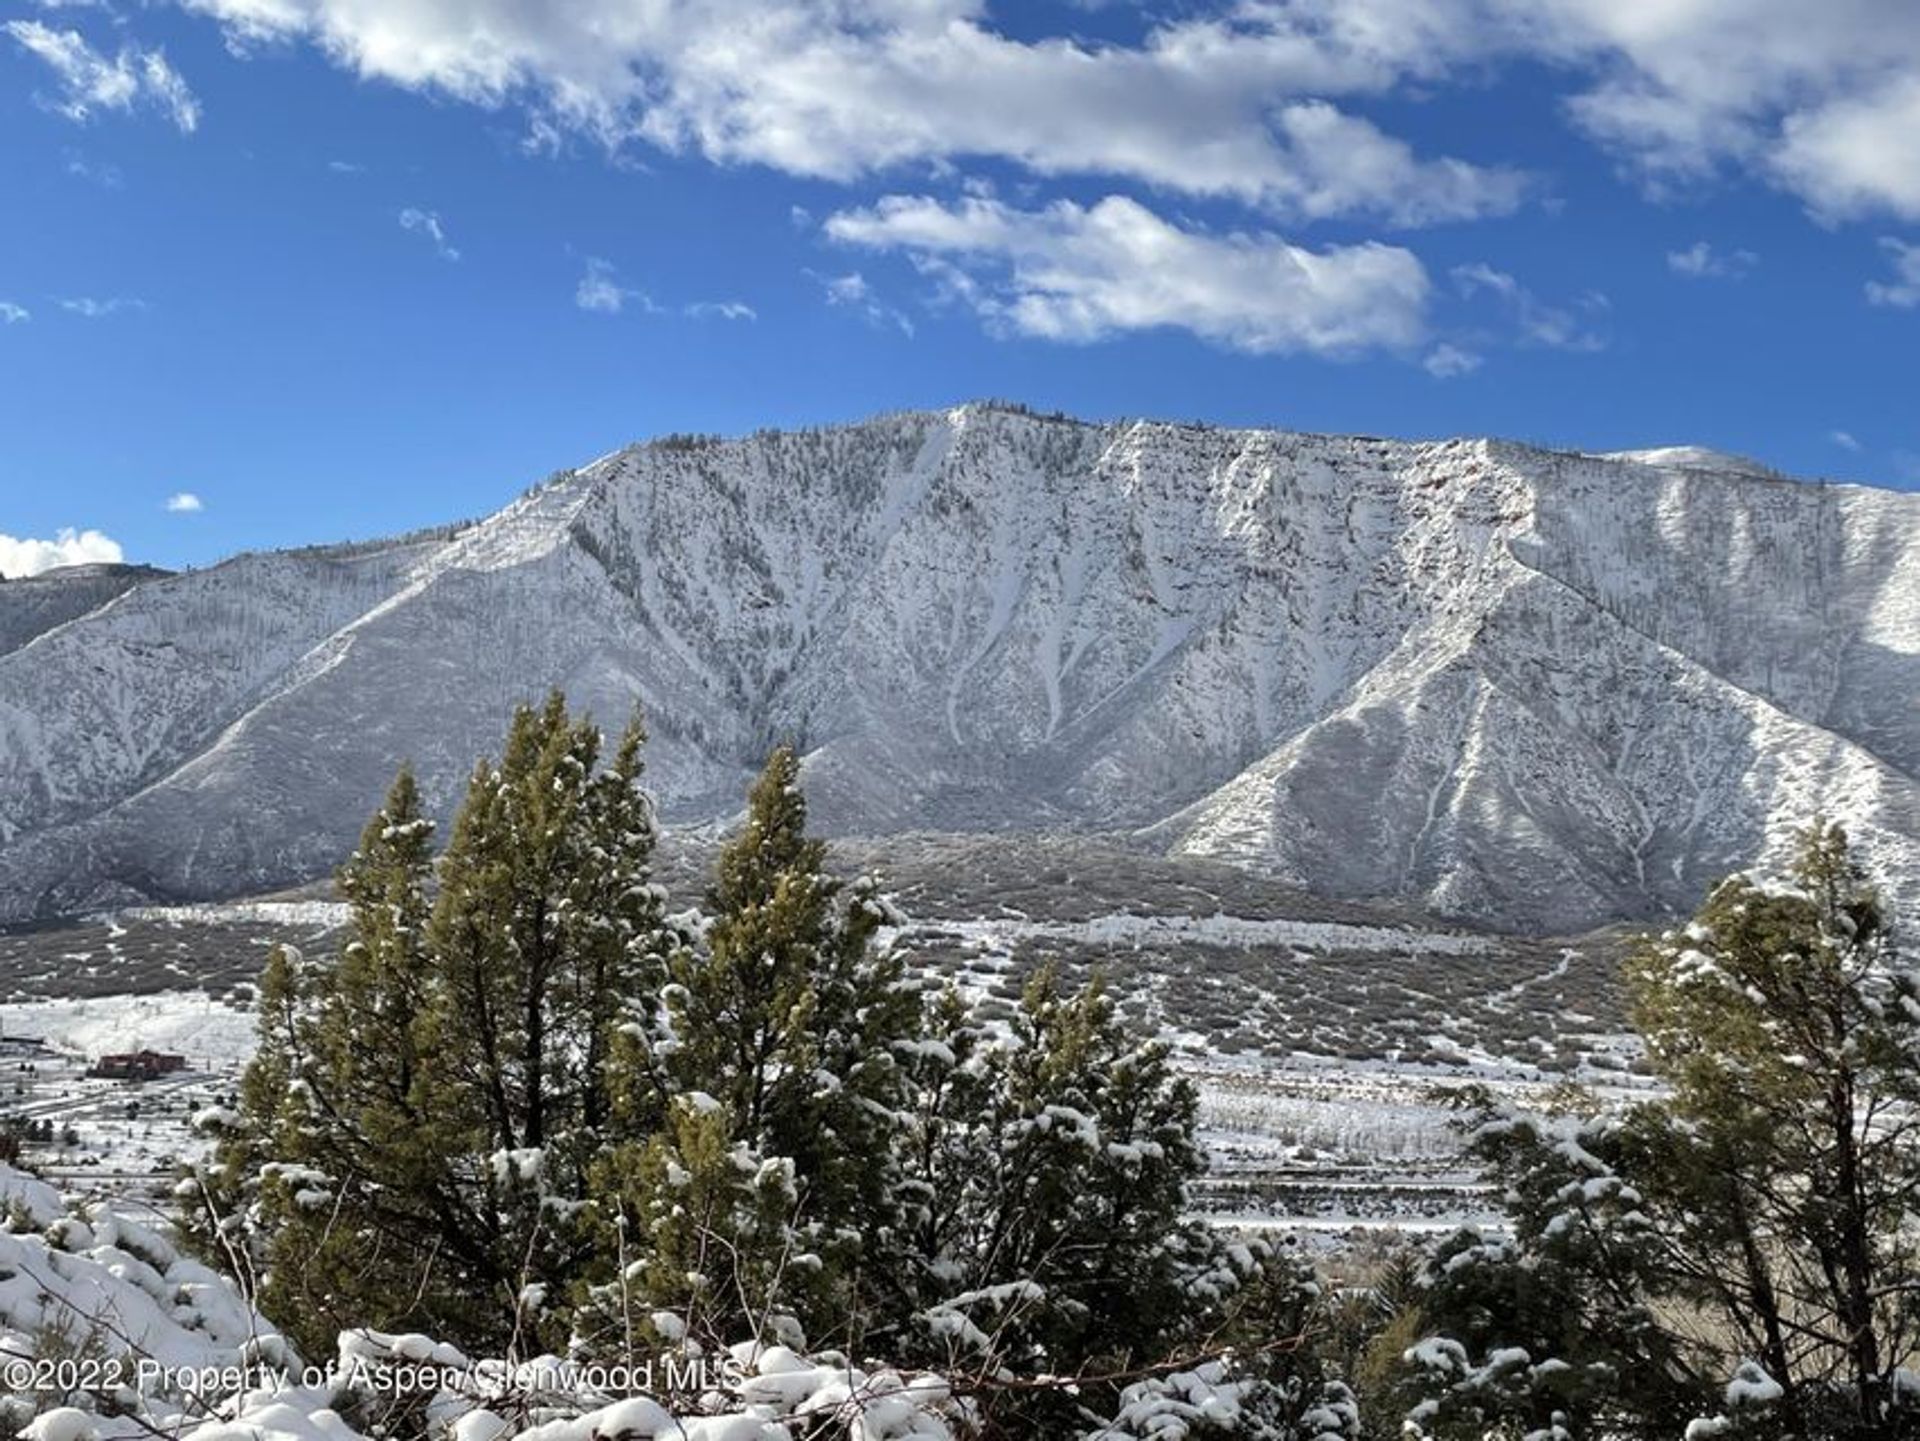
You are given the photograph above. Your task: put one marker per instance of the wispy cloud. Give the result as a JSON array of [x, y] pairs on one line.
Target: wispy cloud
[[185, 502], [102, 173], [855, 292], [90, 82], [1447, 361], [722, 310], [1844, 439], [1537, 323], [89, 307], [427, 223], [1701, 261], [11, 314], [600, 290], [346, 167], [1903, 291], [29, 556]]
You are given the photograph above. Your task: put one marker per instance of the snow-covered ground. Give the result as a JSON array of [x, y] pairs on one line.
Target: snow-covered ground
[[1123, 929], [1314, 1145], [319, 915], [210, 1033]]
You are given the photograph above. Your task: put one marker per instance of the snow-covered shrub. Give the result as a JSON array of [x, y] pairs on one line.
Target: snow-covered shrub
[[1221, 1401]]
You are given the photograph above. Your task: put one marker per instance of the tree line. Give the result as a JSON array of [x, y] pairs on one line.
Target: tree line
[[528, 1110]]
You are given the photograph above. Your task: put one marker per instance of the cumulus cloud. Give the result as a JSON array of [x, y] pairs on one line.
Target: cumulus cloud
[[11, 314], [1701, 261], [1240, 98], [1241, 106], [90, 82], [1903, 291], [1082, 273], [427, 223], [185, 502], [600, 290], [1858, 154], [68, 547], [1536, 322]]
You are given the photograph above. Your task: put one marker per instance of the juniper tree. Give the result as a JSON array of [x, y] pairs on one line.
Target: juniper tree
[[1741, 1251], [1051, 1168], [443, 1082], [788, 1017], [1044, 1167]]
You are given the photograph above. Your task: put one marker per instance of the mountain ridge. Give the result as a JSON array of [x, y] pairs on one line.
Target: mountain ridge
[[1527, 688]]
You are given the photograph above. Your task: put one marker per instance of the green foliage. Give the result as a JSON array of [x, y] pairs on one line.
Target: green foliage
[[522, 1110], [420, 1122], [1738, 1251], [788, 1018]]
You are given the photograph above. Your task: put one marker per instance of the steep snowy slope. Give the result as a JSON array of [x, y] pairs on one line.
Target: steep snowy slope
[[1528, 688], [31, 605]]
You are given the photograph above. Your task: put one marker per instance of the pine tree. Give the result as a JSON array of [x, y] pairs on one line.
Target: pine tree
[[1790, 1037]]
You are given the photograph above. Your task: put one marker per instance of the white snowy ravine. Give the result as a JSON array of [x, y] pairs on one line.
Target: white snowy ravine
[[1531, 689]]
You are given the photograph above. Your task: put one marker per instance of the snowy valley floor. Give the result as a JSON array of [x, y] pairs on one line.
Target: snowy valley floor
[[1323, 1035]]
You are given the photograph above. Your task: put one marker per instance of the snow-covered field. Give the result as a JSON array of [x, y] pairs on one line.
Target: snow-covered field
[[210, 1033], [1314, 1146]]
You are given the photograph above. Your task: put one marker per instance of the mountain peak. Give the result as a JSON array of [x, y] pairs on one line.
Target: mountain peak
[[1477, 677]]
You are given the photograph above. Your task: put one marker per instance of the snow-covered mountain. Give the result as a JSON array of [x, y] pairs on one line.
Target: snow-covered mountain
[[1533, 689]]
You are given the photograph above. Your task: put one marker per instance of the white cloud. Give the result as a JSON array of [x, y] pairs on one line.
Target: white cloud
[[1903, 291], [723, 310], [346, 167], [101, 173], [91, 83], [1232, 107], [600, 290], [427, 223], [68, 547], [1844, 439], [1700, 261], [185, 502], [1537, 323], [1074, 273], [1447, 361], [1233, 98], [1858, 154], [11, 314], [89, 307], [853, 291]]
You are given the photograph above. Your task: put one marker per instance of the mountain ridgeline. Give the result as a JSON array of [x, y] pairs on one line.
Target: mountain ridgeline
[[1527, 689]]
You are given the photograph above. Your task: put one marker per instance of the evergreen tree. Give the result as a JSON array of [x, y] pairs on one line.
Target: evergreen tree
[[433, 1102], [1738, 1252], [1044, 1172], [788, 1018]]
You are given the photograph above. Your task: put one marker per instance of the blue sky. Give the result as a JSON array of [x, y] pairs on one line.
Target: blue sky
[[329, 268]]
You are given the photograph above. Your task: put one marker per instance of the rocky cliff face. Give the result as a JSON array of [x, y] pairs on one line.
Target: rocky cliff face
[[1531, 689]]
